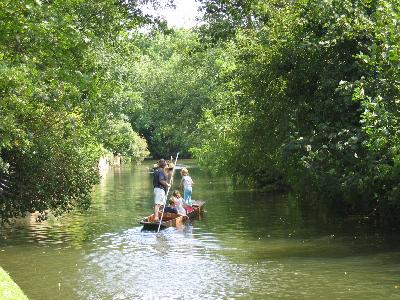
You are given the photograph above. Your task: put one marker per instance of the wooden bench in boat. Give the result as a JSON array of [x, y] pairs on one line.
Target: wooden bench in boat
[[198, 208]]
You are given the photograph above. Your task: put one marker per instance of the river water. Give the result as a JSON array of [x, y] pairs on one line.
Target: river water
[[249, 245]]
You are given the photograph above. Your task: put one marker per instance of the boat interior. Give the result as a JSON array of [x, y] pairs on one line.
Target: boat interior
[[166, 217]]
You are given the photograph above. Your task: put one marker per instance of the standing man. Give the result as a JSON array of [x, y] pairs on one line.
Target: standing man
[[160, 185]]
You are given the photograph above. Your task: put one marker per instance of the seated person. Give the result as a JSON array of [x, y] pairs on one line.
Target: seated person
[[181, 205], [171, 208]]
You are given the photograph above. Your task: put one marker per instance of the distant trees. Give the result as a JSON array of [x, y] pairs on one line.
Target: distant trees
[[175, 76]]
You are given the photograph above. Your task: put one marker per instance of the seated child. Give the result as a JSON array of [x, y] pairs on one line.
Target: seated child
[[181, 205], [171, 208]]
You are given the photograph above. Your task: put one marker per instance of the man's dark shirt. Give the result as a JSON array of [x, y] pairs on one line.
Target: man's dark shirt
[[159, 176]]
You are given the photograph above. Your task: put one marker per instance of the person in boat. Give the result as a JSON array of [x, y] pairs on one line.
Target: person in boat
[[187, 183], [176, 206], [160, 184], [179, 203], [182, 207], [170, 172], [171, 208]]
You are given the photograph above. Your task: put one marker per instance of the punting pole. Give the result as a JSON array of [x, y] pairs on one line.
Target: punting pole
[[166, 194]]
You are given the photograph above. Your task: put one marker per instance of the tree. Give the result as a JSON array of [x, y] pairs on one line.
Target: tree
[[311, 99], [56, 95], [175, 77]]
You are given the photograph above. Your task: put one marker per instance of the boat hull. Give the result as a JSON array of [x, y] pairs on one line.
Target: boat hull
[[198, 208], [168, 220], [171, 219]]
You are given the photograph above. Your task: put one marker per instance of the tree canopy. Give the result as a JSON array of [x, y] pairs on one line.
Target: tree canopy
[[312, 100], [295, 94], [278, 93], [62, 86]]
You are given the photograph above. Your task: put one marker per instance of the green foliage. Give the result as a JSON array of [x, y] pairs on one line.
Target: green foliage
[[278, 93], [175, 77], [312, 99], [378, 91], [58, 171], [121, 139], [224, 18], [63, 76]]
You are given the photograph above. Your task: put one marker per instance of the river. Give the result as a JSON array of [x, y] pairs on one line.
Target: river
[[249, 245]]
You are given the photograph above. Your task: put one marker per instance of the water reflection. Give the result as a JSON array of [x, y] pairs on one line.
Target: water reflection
[[250, 245]]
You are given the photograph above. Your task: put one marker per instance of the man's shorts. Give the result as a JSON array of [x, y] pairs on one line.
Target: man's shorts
[[159, 196]]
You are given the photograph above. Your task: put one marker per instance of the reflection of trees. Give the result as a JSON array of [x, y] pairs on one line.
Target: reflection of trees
[[118, 201], [266, 225], [123, 196], [255, 212]]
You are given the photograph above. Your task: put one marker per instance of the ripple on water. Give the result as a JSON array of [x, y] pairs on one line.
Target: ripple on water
[[248, 246], [171, 264]]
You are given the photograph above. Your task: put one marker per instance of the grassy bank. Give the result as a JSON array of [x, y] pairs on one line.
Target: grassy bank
[[9, 290]]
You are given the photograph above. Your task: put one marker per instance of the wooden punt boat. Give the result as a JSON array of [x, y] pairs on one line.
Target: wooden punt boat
[[168, 220], [171, 219], [198, 208]]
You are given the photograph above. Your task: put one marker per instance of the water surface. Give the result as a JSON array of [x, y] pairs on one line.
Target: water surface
[[250, 245]]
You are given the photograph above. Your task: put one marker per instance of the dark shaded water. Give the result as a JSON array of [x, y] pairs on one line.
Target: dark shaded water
[[251, 245]]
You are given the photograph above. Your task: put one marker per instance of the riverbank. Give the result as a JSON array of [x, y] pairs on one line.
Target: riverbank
[[9, 290]]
